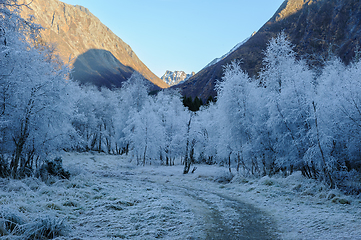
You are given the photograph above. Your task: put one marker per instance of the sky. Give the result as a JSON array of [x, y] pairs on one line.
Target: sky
[[181, 35]]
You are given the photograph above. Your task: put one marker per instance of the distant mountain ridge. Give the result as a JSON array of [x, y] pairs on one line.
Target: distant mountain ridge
[[176, 77], [217, 60], [96, 53], [316, 28]]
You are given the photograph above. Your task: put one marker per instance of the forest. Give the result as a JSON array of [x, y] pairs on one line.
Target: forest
[[291, 117]]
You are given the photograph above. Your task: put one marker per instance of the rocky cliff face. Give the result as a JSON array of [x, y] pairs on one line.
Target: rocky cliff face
[[315, 27], [176, 77], [95, 52]]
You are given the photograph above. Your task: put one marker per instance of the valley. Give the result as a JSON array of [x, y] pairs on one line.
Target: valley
[[262, 143]]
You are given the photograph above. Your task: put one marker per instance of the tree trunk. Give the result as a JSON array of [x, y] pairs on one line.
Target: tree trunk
[[145, 153], [229, 163], [324, 167], [238, 161], [187, 165], [187, 160], [100, 139], [19, 145], [15, 162]]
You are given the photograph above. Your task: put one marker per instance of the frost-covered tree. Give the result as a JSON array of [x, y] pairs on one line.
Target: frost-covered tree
[[279, 57], [145, 134], [206, 131], [288, 83], [156, 131], [36, 102], [134, 93], [172, 116], [99, 119], [132, 97], [189, 148], [110, 110], [294, 119], [235, 113], [337, 110]]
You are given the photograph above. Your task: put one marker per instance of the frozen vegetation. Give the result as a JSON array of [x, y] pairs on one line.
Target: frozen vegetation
[[109, 197], [278, 155]]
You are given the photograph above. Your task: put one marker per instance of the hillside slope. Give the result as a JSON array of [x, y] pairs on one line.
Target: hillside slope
[[98, 55], [315, 27]]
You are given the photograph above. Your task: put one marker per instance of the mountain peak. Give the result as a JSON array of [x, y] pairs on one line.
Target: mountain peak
[[290, 7], [82, 8], [176, 77]]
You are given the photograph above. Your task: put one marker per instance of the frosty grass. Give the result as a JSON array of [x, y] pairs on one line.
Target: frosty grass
[[109, 197]]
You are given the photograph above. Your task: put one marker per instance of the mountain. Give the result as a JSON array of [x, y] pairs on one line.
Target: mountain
[[82, 40], [176, 77], [316, 28], [217, 60]]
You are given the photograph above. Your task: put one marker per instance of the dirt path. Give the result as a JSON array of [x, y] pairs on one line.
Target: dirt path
[[226, 217], [220, 216], [114, 200]]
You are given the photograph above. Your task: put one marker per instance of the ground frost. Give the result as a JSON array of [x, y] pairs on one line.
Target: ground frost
[[108, 197]]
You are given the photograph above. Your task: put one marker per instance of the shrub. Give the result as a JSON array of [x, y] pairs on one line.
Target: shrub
[[224, 177], [45, 228], [10, 223], [41, 228], [53, 168]]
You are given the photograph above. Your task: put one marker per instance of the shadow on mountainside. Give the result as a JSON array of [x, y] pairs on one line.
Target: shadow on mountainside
[[100, 68]]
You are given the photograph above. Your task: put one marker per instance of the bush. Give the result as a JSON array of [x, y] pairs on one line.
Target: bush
[[45, 228], [266, 180], [41, 228], [224, 177], [10, 223], [53, 168], [349, 182]]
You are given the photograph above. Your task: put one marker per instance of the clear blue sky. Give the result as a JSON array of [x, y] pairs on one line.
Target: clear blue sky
[[181, 34]]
